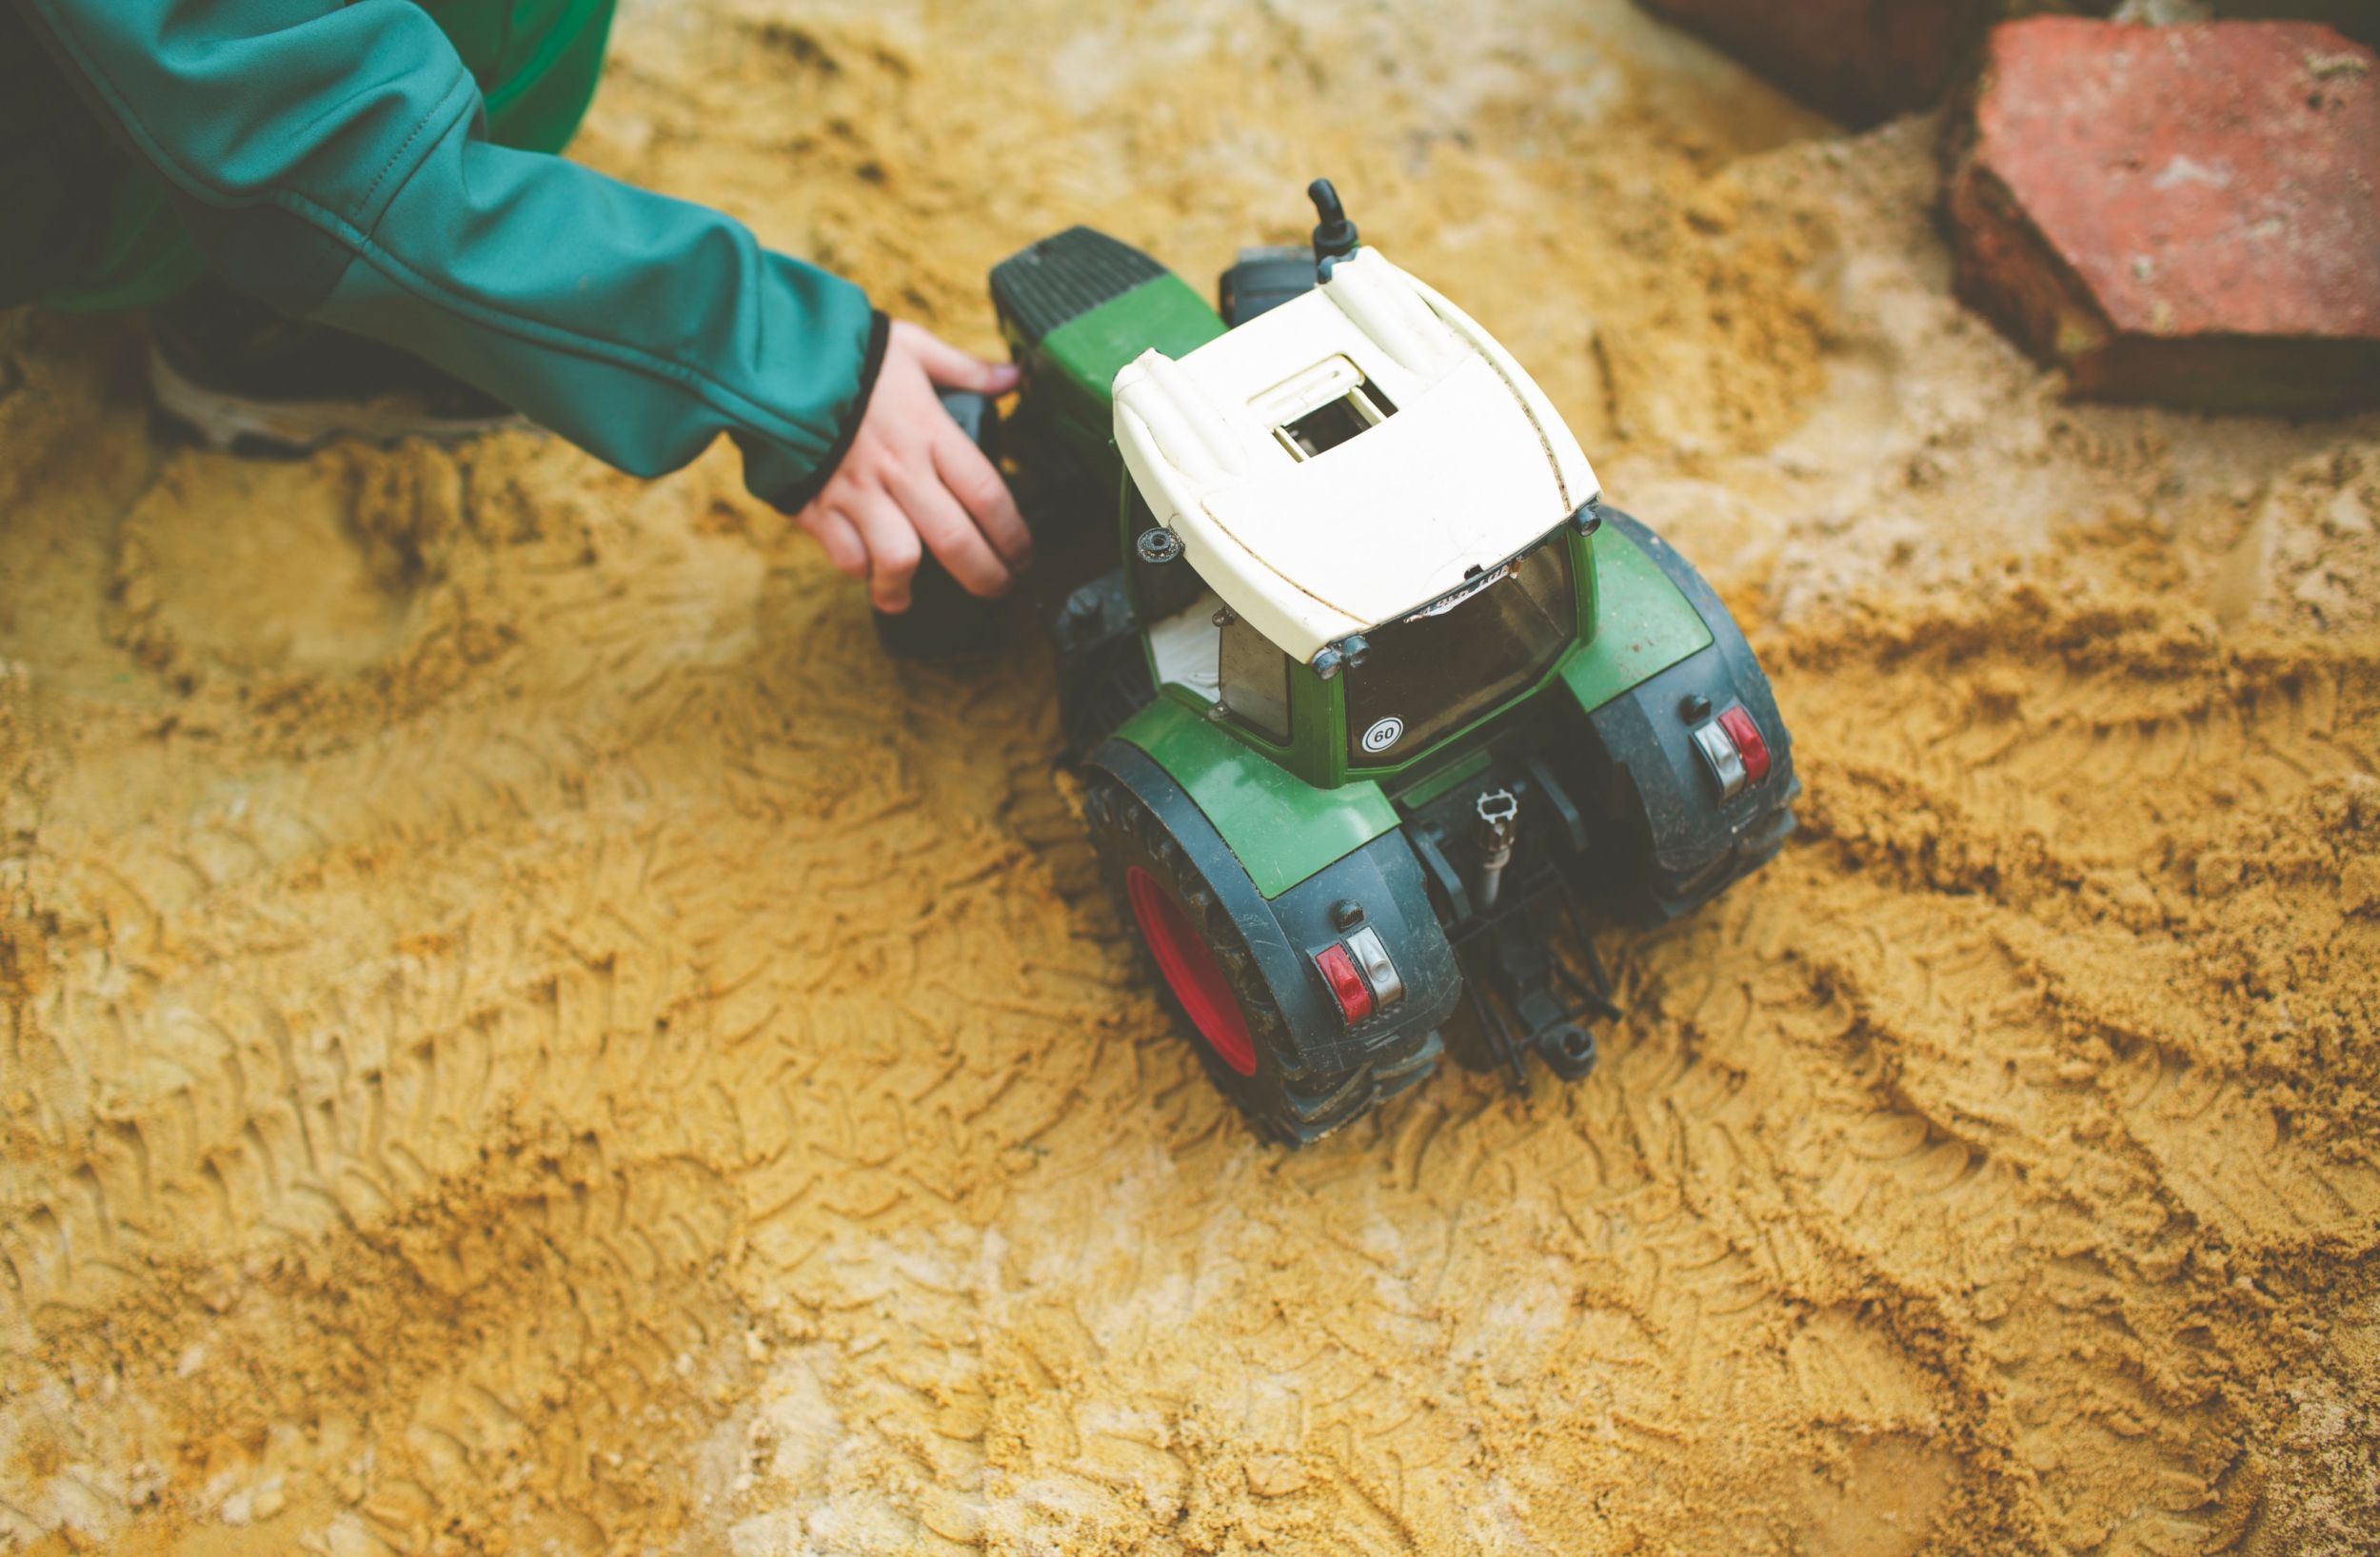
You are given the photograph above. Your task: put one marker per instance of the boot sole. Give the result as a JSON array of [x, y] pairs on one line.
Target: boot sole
[[226, 421]]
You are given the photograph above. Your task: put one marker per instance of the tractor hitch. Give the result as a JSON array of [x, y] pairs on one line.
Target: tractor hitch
[[1500, 825]]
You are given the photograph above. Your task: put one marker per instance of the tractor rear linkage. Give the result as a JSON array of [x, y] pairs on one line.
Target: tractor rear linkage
[[1523, 997]]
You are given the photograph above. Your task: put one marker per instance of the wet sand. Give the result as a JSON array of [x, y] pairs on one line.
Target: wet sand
[[520, 1033]]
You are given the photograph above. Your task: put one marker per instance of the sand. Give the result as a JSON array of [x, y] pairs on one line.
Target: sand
[[520, 1033]]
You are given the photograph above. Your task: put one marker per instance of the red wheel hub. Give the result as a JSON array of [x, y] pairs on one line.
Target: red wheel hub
[[1190, 969]]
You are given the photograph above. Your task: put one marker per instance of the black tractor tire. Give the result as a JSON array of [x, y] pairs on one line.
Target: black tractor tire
[[943, 620], [1099, 690], [1102, 662], [1655, 897], [1139, 855], [1639, 764], [1261, 280]]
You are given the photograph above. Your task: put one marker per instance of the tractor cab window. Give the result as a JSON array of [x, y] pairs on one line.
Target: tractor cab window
[[1435, 670], [1333, 421], [1322, 407], [1254, 677]]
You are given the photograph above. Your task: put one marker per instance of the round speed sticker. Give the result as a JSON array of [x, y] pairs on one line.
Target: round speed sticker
[[1384, 734]]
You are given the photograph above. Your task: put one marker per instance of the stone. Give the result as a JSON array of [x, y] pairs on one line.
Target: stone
[[2188, 214], [1862, 61], [2346, 515], [2359, 887]]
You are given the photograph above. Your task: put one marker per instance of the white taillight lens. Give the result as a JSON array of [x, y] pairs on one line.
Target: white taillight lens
[[1371, 954]]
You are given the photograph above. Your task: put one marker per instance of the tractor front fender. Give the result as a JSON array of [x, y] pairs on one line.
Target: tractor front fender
[[1379, 876]]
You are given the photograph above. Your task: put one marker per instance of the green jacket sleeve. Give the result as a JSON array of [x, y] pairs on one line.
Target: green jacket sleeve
[[331, 159]]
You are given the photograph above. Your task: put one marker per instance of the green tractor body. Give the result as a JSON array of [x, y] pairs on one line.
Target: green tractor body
[[1335, 822]]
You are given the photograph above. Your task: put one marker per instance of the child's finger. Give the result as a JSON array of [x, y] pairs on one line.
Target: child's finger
[[840, 543], [950, 369], [975, 482], [892, 550], [948, 533]]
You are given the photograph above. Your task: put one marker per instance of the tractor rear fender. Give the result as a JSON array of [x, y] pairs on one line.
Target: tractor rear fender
[[1645, 769], [1281, 828], [1380, 875]]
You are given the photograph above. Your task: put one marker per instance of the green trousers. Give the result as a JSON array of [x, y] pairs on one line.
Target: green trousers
[[86, 225]]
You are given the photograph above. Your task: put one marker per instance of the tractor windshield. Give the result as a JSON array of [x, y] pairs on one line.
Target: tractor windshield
[[1434, 671]]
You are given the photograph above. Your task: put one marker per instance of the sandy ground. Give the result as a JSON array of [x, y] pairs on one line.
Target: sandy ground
[[522, 1034]]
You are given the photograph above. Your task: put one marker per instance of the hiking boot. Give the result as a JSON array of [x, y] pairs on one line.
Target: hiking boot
[[239, 374]]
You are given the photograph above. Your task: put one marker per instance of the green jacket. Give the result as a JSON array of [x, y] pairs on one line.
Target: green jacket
[[333, 160]]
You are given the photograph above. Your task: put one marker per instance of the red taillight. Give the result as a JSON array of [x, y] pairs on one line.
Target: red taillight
[[1346, 981], [1749, 745]]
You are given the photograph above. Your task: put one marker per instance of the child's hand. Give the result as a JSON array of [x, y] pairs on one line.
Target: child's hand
[[911, 477]]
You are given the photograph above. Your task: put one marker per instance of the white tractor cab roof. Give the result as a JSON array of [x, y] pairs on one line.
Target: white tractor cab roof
[[1347, 457]]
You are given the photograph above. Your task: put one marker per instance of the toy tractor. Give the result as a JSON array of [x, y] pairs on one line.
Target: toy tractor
[[1369, 690]]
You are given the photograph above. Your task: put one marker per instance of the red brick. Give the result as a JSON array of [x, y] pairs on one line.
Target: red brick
[[1863, 61], [2188, 213]]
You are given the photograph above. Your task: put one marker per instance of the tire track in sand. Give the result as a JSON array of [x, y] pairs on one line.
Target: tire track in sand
[[574, 1050]]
